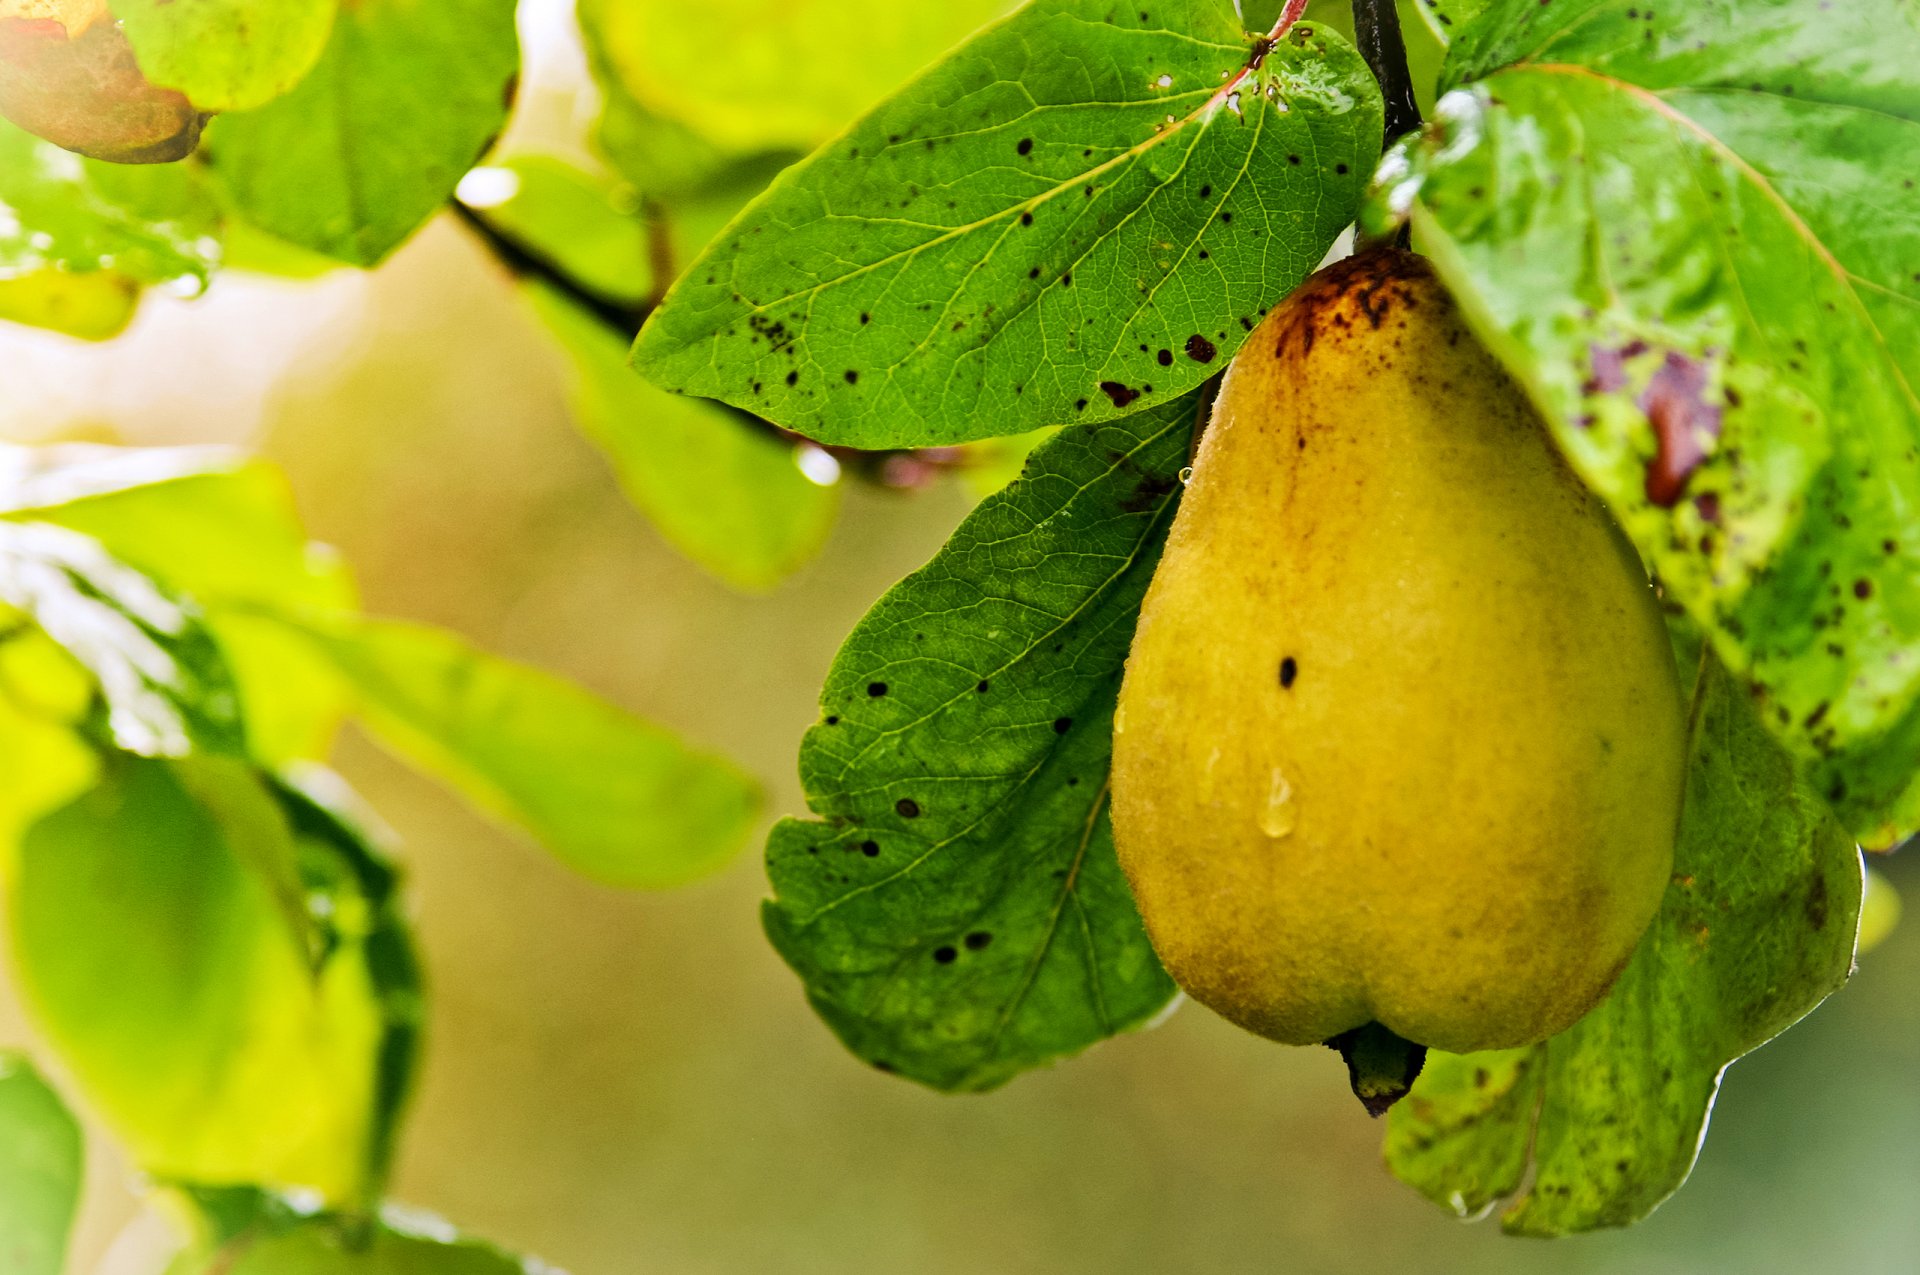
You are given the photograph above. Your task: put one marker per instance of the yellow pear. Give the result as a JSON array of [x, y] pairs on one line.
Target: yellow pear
[[1401, 739]]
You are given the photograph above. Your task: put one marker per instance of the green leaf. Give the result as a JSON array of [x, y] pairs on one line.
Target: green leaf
[[726, 493], [1080, 212], [1691, 231], [767, 73], [223, 531], [44, 695], [612, 795], [957, 914], [40, 1165], [591, 227], [1447, 18], [227, 55], [1756, 929], [152, 223], [260, 1234], [155, 959], [94, 307], [405, 99], [166, 689]]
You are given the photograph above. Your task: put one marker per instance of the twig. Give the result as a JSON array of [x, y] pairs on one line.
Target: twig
[[525, 263], [893, 467], [1376, 25]]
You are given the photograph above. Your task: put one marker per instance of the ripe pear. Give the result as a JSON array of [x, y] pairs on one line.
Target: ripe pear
[[1401, 740], [68, 75]]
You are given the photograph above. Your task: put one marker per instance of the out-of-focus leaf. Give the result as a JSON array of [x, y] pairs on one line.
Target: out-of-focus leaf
[[591, 227], [224, 532], [227, 55], [957, 913], [153, 224], [1081, 212], [259, 1234], [1694, 232], [405, 99], [1879, 912], [166, 688], [44, 694], [40, 1163], [994, 462], [69, 75], [1756, 929], [725, 493], [615, 797], [157, 963], [768, 73], [341, 865], [93, 307]]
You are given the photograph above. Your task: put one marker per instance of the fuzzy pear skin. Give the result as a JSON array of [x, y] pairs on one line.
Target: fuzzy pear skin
[[1401, 738]]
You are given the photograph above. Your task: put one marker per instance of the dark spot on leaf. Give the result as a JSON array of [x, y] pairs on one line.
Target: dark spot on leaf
[[1201, 350], [865, 318], [984, 687], [978, 940], [852, 376], [1080, 405], [1340, 169], [1066, 280], [1026, 146], [1026, 219], [1226, 217], [1165, 357], [870, 848], [876, 689], [1817, 903], [908, 808], [1119, 393], [833, 721], [1294, 160], [1863, 589], [1205, 191], [945, 955], [1061, 725], [793, 378]]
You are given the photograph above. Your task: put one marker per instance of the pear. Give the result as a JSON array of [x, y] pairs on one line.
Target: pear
[[68, 75], [1401, 741]]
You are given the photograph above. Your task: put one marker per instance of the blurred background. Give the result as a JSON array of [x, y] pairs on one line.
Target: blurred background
[[622, 1082]]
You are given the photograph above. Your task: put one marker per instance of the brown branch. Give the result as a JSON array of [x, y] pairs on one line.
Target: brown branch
[[891, 467]]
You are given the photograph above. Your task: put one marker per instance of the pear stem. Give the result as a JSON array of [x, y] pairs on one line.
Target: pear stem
[[1381, 1066]]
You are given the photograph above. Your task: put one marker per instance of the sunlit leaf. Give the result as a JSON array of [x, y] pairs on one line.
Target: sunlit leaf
[[726, 492], [40, 1163], [227, 55], [957, 913], [610, 794], [1079, 213], [1694, 232], [1756, 929], [166, 688], [374, 139], [93, 307], [152, 224], [223, 531], [217, 1045], [751, 74]]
